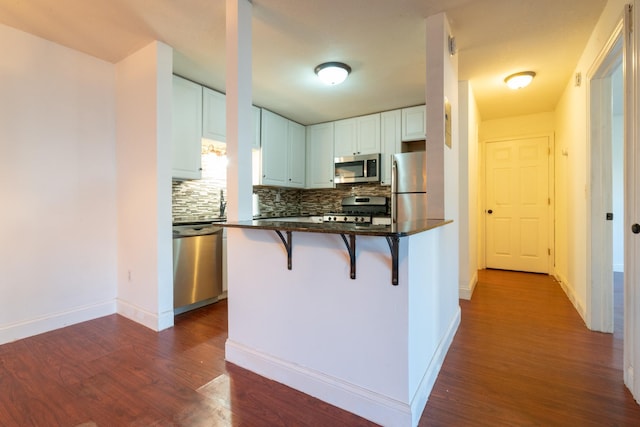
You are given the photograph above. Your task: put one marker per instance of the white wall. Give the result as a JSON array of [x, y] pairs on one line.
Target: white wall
[[469, 178], [145, 270], [517, 126], [57, 186], [571, 171]]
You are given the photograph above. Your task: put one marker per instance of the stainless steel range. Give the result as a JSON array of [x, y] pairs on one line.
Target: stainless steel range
[[359, 209]]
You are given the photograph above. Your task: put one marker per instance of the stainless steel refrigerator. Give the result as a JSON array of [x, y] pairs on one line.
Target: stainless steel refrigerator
[[408, 187]]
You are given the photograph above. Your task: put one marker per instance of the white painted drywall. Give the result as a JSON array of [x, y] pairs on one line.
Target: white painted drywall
[[57, 186], [571, 174], [145, 270], [469, 204]]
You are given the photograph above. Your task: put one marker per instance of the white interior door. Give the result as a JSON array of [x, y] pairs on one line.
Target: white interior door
[[632, 201], [517, 203]]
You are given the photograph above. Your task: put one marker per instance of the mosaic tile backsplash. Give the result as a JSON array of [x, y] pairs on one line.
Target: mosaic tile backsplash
[[200, 199]]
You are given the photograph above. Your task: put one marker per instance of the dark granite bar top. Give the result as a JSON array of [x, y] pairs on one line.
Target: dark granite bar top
[[196, 220], [403, 229]]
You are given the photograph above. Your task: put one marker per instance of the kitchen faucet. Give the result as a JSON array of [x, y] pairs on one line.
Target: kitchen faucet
[[223, 204]]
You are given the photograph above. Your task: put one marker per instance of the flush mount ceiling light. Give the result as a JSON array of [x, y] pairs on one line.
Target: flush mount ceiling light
[[332, 73], [519, 80]]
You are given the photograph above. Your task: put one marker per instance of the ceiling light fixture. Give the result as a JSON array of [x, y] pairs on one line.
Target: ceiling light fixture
[[332, 73], [519, 80]]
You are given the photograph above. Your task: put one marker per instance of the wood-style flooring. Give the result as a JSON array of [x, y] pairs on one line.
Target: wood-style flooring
[[521, 357]]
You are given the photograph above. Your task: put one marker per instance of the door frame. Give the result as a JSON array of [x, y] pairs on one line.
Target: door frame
[[599, 274], [482, 223]]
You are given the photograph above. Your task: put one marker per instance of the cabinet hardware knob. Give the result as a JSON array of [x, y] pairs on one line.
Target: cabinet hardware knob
[[635, 228], [490, 211]]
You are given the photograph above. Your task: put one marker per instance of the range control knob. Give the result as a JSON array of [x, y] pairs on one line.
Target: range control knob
[[344, 218]]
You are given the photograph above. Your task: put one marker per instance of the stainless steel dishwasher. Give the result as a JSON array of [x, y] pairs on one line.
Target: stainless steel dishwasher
[[197, 265]]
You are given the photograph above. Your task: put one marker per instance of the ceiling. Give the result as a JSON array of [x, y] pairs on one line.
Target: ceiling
[[383, 41]]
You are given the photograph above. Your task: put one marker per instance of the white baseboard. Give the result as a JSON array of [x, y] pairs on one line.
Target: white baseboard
[[50, 322], [370, 405], [421, 397], [156, 322], [569, 291], [466, 291]]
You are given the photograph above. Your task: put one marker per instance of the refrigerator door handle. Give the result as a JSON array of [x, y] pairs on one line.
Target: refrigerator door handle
[[394, 188]]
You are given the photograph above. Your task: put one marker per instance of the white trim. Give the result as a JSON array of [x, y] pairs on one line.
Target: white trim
[[466, 290], [39, 325], [350, 397], [599, 272], [156, 322], [420, 398], [570, 293]]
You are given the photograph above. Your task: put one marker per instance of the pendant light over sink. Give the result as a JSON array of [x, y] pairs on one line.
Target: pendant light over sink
[[332, 73]]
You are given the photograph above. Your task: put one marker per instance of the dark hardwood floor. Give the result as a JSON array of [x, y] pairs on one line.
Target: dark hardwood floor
[[522, 356]]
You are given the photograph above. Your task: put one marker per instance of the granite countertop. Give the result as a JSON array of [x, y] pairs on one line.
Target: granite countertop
[[406, 228], [195, 220]]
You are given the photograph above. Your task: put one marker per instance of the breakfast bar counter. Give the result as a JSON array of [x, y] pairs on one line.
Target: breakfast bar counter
[[298, 314], [391, 232], [403, 229]]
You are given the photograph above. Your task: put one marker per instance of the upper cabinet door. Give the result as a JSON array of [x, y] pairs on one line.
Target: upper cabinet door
[[296, 156], [359, 135], [414, 123], [369, 134], [320, 168], [274, 149], [255, 145], [390, 128], [345, 137], [214, 123], [186, 129]]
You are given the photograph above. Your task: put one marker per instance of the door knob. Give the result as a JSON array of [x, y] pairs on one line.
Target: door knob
[[490, 211], [635, 228]]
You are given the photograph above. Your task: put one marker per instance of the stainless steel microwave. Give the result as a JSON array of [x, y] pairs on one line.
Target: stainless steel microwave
[[360, 168]]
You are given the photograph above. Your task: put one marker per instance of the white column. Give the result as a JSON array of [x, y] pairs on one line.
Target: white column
[[239, 114]]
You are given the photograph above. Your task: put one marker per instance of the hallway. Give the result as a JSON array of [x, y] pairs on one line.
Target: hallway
[[523, 356]]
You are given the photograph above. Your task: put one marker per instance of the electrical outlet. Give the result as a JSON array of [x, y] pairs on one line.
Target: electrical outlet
[[278, 196]]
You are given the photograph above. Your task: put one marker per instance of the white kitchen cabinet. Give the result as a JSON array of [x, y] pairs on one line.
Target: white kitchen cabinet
[[186, 129], [283, 151], [358, 135], [274, 149], [255, 145], [296, 147], [414, 123], [214, 115], [320, 169], [391, 134]]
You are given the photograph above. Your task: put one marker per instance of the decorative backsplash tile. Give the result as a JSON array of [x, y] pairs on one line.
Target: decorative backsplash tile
[[200, 199]]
